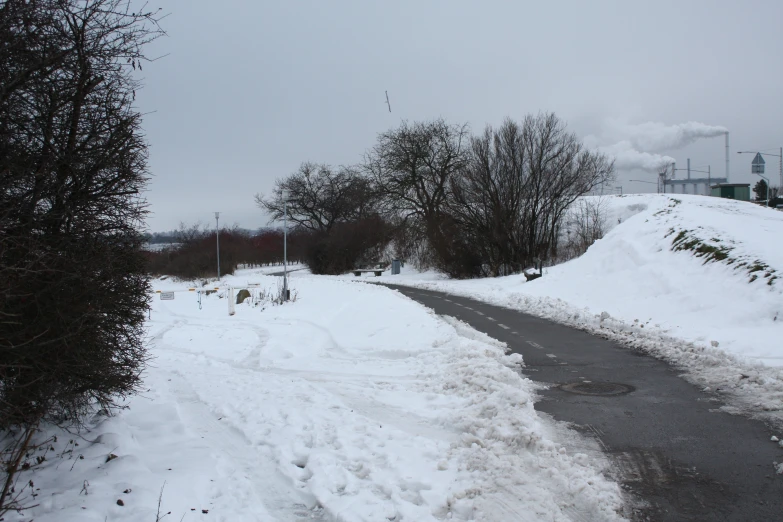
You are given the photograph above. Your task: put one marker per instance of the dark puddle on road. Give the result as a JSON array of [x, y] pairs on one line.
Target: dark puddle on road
[[597, 388]]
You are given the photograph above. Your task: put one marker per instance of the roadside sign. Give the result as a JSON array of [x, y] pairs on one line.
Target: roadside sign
[[166, 296], [757, 166]]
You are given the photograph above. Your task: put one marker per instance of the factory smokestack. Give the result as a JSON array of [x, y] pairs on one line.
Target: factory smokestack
[[727, 156]]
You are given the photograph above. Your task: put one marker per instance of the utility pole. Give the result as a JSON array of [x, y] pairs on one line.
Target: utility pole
[[217, 240]]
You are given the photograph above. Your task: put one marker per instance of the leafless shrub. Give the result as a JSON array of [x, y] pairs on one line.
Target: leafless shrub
[[412, 167], [72, 167], [585, 223], [347, 245], [195, 255]]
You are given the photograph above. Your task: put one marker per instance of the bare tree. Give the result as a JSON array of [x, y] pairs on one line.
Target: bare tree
[[488, 197], [320, 196], [412, 166], [560, 171], [72, 167], [509, 201], [338, 210]]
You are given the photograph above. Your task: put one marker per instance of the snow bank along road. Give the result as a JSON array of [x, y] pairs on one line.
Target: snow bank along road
[[671, 445]]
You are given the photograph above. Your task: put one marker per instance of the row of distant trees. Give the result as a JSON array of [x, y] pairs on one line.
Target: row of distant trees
[[158, 238], [193, 251], [431, 192]]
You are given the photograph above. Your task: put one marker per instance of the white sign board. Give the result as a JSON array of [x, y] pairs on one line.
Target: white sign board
[[166, 296]]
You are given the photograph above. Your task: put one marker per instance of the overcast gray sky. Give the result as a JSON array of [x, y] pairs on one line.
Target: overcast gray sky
[[250, 89]]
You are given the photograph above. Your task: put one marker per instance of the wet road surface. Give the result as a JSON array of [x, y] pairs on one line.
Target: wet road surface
[[670, 445]]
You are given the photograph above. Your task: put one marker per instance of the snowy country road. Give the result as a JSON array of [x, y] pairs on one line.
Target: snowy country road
[[672, 448]]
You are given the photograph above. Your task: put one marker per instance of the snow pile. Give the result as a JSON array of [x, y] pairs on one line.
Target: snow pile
[[694, 280], [352, 403]]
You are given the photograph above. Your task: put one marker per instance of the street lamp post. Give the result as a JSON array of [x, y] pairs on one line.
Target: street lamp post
[[780, 166], [284, 194], [217, 241]]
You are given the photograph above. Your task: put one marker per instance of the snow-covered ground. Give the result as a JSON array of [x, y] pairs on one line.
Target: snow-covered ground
[[352, 403], [691, 279]]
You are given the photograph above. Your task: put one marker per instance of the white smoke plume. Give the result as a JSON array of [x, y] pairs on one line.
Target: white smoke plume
[[636, 146], [656, 136], [628, 158]]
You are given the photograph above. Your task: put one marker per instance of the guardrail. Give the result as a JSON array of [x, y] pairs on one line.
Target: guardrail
[[187, 290]]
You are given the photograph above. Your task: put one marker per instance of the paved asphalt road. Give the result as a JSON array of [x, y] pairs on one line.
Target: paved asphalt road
[[671, 447]]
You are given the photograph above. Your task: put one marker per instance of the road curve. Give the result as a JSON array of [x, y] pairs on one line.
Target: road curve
[[671, 446]]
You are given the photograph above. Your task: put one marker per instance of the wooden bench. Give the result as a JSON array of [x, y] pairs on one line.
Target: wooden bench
[[376, 271]]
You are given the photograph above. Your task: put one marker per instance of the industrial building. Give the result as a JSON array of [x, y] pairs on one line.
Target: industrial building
[[738, 191]]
